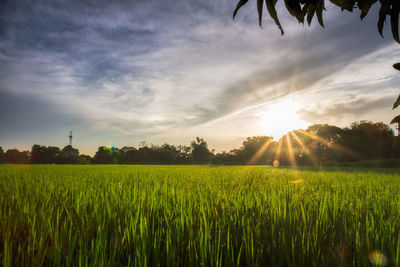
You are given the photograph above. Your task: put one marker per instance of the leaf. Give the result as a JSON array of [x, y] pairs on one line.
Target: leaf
[[363, 14], [272, 12], [294, 8], [397, 66], [260, 10], [310, 14], [319, 8], [365, 6], [396, 103], [383, 11], [238, 6], [394, 20], [395, 120]]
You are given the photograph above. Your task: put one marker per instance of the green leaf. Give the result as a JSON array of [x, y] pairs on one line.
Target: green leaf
[[397, 66], [238, 6], [395, 120], [260, 10], [272, 12], [394, 20], [396, 103]]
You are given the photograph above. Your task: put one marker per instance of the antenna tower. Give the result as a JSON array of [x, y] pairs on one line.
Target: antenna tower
[[70, 138]]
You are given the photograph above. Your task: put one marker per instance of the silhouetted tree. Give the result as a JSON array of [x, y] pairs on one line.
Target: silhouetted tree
[[84, 159], [14, 156], [2, 156], [226, 158], [184, 154], [325, 143], [108, 155], [200, 152], [69, 155], [257, 150], [369, 140], [167, 154], [45, 155]]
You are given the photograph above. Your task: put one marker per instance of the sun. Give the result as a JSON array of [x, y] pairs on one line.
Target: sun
[[279, 118]]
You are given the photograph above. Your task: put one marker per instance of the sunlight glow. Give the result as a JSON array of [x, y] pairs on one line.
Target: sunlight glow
[[334, 146], [260, 152], [280, 118], [306, 150], [290, 150], [278, 154]]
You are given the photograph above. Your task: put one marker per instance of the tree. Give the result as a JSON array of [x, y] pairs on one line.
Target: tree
[[369, 140], [69, 155], [306, 9], [14, 156], [108, 155], [83, 159], [2, 156], [184, 154], [45, 155], [226, 158], [257, 150], [200, 152], [324, 143]]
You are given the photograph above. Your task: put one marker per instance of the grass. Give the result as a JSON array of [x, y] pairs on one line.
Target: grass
[[197, 216]]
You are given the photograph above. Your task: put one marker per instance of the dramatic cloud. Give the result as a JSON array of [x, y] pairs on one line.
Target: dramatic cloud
[[126, 71], [352, 107]]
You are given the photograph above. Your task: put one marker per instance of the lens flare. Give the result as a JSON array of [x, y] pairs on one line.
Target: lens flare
[[276, 163], [377, 258]]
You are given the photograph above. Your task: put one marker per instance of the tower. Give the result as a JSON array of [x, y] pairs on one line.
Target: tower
[[70, 138]]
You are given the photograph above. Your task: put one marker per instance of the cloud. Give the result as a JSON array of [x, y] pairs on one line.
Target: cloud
[[151, 68], [350, 107]]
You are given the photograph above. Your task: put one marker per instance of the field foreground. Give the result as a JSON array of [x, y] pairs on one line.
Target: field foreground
[[198, 216]]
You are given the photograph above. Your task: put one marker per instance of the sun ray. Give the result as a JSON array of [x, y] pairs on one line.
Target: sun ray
[[260, 152], [277, 155], [290, 151], [304, 147], [334, 146]]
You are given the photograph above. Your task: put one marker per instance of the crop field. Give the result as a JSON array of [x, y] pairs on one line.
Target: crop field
[[198, 216]]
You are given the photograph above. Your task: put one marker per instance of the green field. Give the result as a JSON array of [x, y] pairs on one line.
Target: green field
[[198, 216]]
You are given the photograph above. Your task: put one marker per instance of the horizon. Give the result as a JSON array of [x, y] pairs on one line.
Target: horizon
[[144, 143], [121, 73]]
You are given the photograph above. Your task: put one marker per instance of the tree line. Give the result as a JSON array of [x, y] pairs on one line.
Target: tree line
[[319, 144]]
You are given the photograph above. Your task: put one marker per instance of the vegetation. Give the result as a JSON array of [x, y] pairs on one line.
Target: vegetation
[[58, 215], [319, 144]]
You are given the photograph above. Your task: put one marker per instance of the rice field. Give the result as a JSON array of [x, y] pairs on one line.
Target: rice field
[[198, 216]]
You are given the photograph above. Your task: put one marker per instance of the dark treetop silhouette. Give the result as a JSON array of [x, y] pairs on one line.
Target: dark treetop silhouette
[[306, 9], [319, 144]]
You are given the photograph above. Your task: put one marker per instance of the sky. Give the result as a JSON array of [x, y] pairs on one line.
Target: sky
[[122, 72]]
